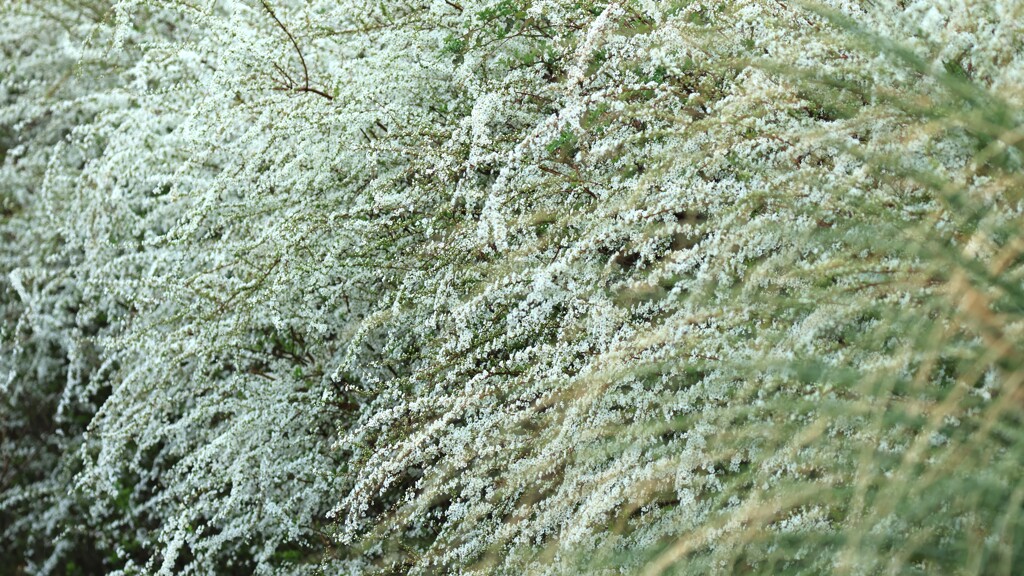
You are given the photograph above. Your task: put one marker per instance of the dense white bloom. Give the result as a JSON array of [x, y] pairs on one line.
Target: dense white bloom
[[508, 286]]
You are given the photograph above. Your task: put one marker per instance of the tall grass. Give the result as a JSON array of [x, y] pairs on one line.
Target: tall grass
[[896, 446]]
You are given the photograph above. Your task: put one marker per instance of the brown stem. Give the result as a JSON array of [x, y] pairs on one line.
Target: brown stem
[[286, 75], [302, 59]]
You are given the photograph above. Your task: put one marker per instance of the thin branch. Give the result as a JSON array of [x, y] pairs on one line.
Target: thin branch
[[316, 91], [302, 59], [287, 76]]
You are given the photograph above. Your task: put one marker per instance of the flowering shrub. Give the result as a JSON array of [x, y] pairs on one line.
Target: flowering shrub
[[511, 286]]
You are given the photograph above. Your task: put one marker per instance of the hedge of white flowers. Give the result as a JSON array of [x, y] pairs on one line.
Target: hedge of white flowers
[[511, 287]]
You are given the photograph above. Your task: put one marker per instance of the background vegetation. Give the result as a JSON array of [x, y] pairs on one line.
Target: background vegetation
[[511, 287]]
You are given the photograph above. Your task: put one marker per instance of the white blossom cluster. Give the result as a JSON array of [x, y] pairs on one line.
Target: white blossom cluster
[[511, 286]]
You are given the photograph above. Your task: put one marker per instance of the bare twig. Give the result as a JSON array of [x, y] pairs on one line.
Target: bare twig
[[302, 59], [285, 74]]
